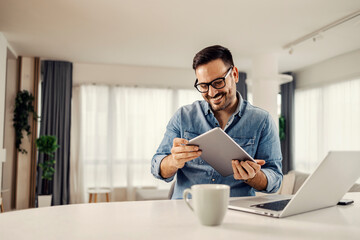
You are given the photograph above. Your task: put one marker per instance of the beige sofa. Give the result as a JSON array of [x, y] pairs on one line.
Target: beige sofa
[[293, 180]]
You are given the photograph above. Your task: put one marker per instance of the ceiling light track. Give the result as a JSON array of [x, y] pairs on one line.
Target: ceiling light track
[[314, 35]]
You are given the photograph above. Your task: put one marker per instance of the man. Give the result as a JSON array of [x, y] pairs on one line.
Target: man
[[251, 127]]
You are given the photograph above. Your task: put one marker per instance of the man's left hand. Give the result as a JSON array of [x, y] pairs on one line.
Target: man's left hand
[[245, 170]]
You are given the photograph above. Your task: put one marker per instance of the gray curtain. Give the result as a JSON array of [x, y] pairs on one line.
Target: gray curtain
[[56, 95], [287, 112], [241, 86]]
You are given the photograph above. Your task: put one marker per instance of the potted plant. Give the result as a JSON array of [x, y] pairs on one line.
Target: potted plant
[[46, 145], [23, 106], [282, 128]]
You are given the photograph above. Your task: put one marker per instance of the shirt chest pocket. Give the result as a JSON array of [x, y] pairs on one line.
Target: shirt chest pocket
[[248, 144], [188, 136]]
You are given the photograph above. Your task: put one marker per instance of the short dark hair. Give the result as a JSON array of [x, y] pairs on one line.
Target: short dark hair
[[212, 53]]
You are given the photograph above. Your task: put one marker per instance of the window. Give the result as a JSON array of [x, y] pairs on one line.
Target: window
[[121, 128], [326, 119]]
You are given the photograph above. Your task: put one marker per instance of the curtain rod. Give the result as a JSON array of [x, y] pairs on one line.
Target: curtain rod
[[130, 86]]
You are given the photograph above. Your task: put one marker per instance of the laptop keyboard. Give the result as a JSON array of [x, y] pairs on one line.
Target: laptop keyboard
[[275, 206]]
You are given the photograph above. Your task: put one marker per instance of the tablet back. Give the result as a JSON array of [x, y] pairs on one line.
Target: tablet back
[[219, 149]]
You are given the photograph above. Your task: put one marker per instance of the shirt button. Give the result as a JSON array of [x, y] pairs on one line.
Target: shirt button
[[213, 179]]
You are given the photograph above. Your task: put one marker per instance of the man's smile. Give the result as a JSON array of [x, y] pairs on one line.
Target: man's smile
[[217, 98]]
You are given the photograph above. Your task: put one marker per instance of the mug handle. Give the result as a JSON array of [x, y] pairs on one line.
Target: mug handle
[[186, 199]]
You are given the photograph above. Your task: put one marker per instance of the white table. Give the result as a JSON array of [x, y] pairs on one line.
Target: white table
[[169, 219]]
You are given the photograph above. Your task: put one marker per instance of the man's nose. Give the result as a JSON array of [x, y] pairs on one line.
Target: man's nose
[[212, 91]]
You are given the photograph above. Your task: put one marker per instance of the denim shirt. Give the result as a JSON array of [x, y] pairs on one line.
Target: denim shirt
[[251, 127]]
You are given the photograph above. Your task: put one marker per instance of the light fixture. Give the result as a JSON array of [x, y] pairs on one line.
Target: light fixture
[[316, 35], [291, 50], [317, 38]]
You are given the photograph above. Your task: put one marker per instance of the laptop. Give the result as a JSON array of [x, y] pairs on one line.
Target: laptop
[[323, 188]]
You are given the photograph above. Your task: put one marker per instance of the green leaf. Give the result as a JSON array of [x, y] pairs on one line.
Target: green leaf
[[23, 106], [47, 145], [282, 128]]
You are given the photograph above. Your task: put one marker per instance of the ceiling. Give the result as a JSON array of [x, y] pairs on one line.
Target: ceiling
[[168, 33]]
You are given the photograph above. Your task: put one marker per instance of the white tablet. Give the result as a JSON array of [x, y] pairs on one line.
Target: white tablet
[[219, 149]]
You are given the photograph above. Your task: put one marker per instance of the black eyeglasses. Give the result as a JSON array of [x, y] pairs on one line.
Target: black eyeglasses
[[217, 83]]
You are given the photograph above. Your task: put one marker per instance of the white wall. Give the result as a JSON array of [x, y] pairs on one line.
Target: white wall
[[116, 74], [3, 54], [9, 133], [340, 68]]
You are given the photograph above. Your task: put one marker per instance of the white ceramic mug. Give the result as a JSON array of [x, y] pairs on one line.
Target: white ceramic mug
[[209, 202]]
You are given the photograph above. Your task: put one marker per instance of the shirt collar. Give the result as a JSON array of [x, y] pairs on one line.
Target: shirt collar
[[207, 108]]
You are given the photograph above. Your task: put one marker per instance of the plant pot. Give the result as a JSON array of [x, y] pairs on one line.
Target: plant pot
[[44, 200]]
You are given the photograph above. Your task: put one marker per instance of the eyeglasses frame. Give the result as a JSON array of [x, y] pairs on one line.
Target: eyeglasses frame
[[210, 83]]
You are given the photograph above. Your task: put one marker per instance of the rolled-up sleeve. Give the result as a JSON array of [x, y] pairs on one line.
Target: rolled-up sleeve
[[155, 167], [269, 150], [172, 131]]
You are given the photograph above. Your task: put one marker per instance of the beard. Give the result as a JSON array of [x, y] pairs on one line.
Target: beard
[[219, 105]]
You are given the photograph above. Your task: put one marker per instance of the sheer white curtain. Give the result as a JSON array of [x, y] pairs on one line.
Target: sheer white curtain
[[89, 141], [308, 119], [326, 119], [138, 124], [116, 131], [186, 96]]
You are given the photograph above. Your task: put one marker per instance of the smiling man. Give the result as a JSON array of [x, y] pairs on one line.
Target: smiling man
[[251, 127]]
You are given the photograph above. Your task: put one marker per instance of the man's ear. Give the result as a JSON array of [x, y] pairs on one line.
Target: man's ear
[[235, 74]]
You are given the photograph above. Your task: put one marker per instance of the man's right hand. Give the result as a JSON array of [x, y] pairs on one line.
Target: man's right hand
[[180, 154]]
